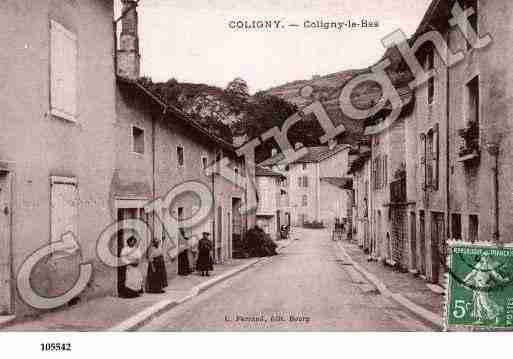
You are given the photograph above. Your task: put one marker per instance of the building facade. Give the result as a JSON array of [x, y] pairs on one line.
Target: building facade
[[269, 215], [84, 145], [57, 139], [315, 184]]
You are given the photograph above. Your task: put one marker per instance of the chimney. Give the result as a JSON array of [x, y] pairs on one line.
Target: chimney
[[128, 54]]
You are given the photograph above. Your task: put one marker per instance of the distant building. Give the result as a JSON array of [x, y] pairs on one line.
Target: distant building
[[269, 215], [318, 187]]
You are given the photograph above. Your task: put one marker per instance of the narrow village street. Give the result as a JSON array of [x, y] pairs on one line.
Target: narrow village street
[[306, 280]]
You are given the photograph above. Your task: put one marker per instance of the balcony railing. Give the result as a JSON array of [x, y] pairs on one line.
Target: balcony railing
[[398, 191], [469, 149]]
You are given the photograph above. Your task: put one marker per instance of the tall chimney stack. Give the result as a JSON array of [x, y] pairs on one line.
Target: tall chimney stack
[[129, 59]]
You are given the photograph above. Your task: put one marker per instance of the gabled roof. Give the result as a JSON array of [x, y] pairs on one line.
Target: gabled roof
[[186, 119], [315, 154], [358, 163], [340, 182], [266, 172]]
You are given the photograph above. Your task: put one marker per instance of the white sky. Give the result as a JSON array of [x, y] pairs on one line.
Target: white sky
[[191, 41]]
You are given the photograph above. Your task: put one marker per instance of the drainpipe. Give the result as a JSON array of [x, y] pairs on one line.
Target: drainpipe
[[447, 152], [493, 149], [214, 209]]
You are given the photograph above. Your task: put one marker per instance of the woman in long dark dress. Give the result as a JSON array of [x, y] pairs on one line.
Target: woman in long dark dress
[[157, 275], [204, 263], [184, 267]]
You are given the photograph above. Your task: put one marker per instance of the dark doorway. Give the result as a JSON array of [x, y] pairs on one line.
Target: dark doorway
[[6, 303], [413, 240], [422, 242]]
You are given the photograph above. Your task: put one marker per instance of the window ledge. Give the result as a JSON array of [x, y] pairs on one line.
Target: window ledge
[[469, 157], [63, 115]]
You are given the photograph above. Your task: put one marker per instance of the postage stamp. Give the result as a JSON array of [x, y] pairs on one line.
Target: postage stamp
[[480, 287]]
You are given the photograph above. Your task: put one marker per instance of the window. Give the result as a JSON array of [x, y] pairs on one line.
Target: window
[[380, 171], [179, 156], [385, 171], [204, 162], [473, 228], [299, 181], [236, 172], [63, 72], [456, 225], [180, 212], [137, 140], [304, 201], [435, 158], [428, 156], [180, 218], [430, 60], [305, 181], [473, 100], [304, 166]]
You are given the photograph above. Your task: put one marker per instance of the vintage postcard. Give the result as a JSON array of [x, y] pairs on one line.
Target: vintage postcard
[[255, 166]]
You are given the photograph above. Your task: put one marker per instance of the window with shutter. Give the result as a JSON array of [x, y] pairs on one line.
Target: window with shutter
[[305, 181], [423, 159], [63, 72], [436, 158], [299, 181]]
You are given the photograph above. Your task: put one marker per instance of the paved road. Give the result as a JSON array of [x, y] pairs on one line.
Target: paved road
[[306, 281]]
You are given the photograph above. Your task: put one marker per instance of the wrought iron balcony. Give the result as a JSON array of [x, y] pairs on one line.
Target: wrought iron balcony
[[469, 150]]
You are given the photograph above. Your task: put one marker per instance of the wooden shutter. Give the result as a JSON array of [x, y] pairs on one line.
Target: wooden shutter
[[64, 207], [63, 82], [436, 157], [422, 160]]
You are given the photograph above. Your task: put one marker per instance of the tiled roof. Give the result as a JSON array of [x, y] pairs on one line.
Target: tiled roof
[[266, 172], [341, 182], [359, 162], [315, 154], [187, 119]]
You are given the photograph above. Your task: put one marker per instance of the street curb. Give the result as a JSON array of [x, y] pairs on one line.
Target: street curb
[[139, 320], [432, 318], [7, 321], [142, 318]]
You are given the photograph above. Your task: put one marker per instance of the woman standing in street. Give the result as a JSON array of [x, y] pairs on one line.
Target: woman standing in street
[[131, 256], [204, 263], [157, 275]]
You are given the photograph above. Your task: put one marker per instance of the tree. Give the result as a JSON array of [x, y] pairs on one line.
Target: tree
[[238, 88]]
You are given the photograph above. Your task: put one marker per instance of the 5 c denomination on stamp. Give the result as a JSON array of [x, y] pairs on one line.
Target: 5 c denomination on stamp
[[480, 287]]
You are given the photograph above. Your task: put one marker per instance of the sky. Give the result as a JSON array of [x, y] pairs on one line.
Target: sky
[[193, 42]]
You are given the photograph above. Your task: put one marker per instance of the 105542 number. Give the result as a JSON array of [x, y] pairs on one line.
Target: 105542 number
[[55, 347]]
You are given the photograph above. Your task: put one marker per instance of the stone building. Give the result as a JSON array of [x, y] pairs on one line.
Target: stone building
[[442, 169], [57, 140], [160, 149], [314, 183], [82, 145], [464, 133], [388, 200], [269, 215], [359, 169]]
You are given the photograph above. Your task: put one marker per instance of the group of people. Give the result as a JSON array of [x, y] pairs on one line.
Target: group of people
[[131, 281]]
